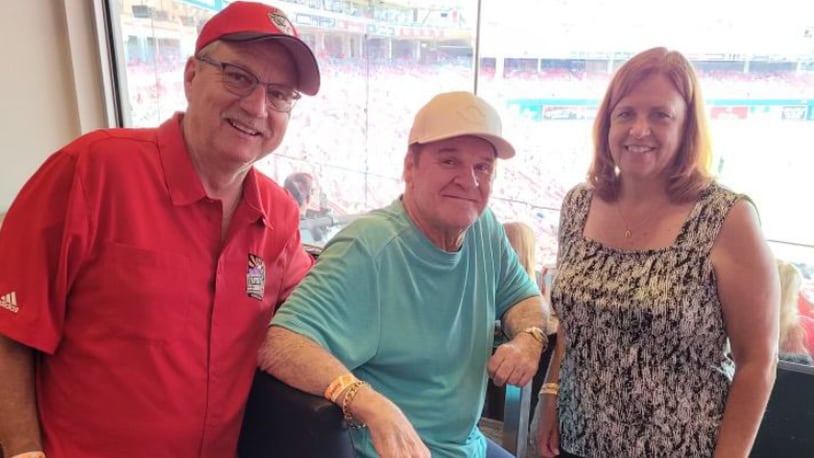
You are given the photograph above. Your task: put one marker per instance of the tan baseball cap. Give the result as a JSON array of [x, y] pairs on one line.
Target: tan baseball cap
[[455, 114]]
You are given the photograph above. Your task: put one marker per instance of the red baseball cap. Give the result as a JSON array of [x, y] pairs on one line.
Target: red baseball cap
[[248, 21]]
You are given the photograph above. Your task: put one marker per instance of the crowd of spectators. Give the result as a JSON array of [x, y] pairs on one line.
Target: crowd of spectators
[[390, 12], [364, 109], [577, 83]]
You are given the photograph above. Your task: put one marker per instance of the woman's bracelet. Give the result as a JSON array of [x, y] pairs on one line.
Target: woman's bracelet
[[349, 396], [549, 388]]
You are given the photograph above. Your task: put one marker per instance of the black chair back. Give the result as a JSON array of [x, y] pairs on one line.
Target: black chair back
[[283, 422], [787, 429]]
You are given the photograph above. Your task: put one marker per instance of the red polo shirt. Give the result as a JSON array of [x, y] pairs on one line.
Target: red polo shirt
[[113, 267]]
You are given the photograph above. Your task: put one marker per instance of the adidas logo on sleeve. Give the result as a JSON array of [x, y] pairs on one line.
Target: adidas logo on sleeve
[[9, 302]]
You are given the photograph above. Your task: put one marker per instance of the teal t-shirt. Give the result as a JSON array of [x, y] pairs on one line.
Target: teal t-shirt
[[415, 322]]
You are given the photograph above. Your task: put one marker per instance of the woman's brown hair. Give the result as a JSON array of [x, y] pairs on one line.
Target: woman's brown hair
[[689, 171]]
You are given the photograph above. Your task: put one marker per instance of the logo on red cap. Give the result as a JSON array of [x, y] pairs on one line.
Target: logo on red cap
[[281, 22]]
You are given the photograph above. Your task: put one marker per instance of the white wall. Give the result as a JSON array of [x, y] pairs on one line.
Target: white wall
[[50, 84]]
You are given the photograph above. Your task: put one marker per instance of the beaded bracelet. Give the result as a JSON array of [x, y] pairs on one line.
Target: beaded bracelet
[[351, 393]]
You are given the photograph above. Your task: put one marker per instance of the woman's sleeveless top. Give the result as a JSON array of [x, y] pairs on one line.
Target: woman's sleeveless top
[[647, 366]]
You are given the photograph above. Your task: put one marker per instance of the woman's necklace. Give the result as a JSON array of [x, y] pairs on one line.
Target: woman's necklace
[[628, 232], [651, 216]]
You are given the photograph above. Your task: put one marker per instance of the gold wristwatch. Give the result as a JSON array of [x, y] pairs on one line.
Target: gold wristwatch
[[538, 335]]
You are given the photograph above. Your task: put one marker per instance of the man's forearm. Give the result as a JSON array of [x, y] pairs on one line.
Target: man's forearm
[[19, 424], [529, 312], [298, 361], [302, 363]]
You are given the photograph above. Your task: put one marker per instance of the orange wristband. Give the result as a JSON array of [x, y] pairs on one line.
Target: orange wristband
[[339, 385]]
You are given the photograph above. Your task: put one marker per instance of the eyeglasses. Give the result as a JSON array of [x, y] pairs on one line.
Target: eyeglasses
[[242, 82]]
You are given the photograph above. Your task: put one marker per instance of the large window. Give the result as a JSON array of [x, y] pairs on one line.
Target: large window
[[380, 62], [543, 63]]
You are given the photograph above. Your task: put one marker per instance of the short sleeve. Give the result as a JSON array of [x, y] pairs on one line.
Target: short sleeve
[[514, 283], [337, 304], [43, 243]]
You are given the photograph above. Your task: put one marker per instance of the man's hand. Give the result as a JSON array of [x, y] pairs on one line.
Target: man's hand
[[392, 434], [516, 361]]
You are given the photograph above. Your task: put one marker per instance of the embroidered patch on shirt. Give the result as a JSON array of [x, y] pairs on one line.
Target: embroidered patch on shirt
[[9, 302], [256, 277]]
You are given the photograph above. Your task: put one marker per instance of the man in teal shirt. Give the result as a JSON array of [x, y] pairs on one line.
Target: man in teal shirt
[[395, 323]]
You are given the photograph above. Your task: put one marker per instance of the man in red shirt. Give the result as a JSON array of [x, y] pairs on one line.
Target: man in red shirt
[[140, 268]]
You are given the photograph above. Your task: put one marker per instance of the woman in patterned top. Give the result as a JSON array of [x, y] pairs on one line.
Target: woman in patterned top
[[666, 290]]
